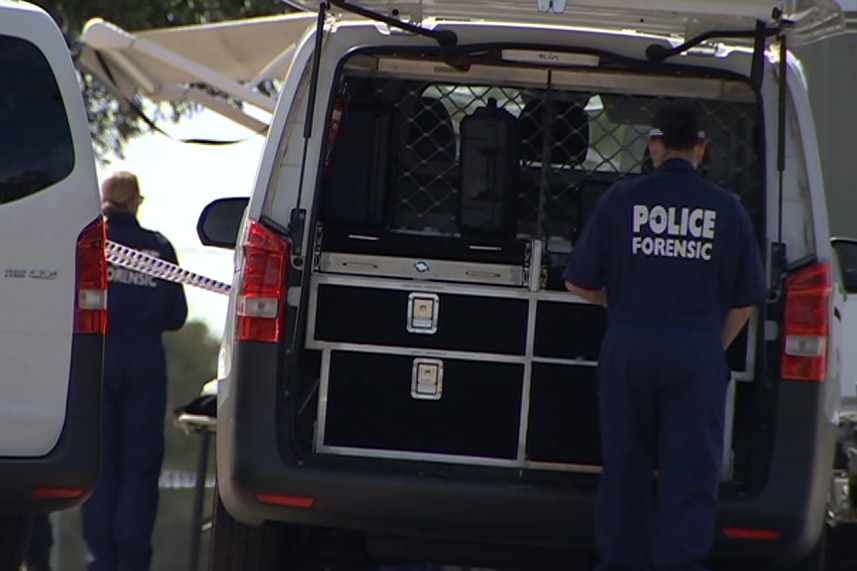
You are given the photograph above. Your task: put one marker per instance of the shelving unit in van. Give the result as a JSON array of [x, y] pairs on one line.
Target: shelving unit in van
[[457, 362], [447, 207]]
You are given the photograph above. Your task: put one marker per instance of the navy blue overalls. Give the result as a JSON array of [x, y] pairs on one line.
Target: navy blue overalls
[[119, 517], [674, 253]]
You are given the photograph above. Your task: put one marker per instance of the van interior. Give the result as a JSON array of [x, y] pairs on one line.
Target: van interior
[[456, 186]]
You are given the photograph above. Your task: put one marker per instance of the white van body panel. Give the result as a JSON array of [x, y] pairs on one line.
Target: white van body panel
[[38, 264]]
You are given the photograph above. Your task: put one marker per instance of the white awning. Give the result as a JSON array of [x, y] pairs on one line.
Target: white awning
[[231, 56]]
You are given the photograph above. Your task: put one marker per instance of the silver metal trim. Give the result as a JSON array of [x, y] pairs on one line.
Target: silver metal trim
[[560, 361], [323, 392], [312, 312], [444, 354], [455, 459], [559, 467], [728, 426], [415, 379], [534, 279], [431, 329], [444, 287], [526, 387], [417, 352], [422, 269]]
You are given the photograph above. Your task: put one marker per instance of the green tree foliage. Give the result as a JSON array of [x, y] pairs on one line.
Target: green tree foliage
[[112, 123]]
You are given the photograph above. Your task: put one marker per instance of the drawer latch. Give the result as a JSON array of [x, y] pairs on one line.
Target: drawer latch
[[427, 379], [422, 313]]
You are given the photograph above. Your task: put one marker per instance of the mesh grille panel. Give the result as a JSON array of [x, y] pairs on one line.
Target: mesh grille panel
[[573, 146]]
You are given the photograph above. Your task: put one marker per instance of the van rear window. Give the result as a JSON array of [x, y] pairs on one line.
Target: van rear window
[[36, 147]]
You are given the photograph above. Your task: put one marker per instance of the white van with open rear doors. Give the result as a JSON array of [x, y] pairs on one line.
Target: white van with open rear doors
[[403, 376]]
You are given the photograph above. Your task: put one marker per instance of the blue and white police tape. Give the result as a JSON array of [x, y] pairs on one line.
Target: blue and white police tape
[[132, 259]]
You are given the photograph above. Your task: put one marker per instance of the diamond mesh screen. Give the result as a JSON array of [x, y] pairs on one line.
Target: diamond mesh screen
[[573, 146]]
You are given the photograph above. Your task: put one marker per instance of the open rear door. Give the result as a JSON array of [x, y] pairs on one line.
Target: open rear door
[[808, 20], [236, 56], [846, 253]]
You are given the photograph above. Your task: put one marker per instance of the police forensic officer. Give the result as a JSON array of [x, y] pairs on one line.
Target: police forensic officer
[[118, 518], [675, 260]]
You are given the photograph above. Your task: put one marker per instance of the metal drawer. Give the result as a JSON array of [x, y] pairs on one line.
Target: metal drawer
[[401, 406], [420, 319]]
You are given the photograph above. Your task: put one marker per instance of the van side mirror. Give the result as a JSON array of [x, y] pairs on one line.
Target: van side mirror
[[846, 253], [220, 222]]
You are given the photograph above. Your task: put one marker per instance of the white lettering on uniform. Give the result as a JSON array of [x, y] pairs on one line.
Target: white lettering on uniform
[[658, 219], [708, 225], [673, 232], [673, 228], [116, 274], [641, 215], [696, 223]]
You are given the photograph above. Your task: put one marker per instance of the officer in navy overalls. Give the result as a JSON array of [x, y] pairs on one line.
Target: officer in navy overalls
[[119, 517], [676, 262]]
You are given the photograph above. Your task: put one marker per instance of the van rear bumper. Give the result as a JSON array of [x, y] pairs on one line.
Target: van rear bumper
[[75, 461], [251, 461]]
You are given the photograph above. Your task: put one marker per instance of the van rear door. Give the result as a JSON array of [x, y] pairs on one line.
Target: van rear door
[[812, 19], [50, 231]]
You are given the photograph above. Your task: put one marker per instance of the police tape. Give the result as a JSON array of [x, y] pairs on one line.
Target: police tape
[[132, 259]]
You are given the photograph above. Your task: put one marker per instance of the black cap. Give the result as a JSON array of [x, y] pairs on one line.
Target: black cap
[[678, 124]]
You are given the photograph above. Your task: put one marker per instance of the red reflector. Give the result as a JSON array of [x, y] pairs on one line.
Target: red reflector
[[751, 533], [62, 493], [263, 285], [90, 309], [292, 501], [806, 323]]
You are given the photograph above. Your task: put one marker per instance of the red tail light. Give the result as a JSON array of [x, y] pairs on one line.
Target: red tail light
[[806, 323], [261, 299], [291, 501], [751, 533], [54, 493], [90, 312]]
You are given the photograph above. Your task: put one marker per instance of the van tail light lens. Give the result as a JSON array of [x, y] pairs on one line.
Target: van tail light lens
[[807, 320], [751, 533], [261, 299], [57, 493], [90, 311], [291, 501]]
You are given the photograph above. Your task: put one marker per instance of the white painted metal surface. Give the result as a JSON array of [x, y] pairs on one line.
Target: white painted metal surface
[[38, 262]]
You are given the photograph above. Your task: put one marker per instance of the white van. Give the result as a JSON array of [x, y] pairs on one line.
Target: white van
[[403, 377], [53, 271]]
